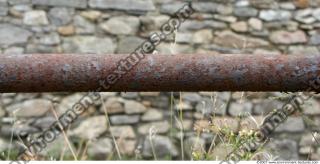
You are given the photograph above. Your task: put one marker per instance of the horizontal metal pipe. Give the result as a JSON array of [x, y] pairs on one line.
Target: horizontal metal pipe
[[198, 72]]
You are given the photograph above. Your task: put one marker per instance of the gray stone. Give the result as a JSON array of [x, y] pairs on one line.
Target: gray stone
[[194, 144], [4, 145], [4, 10], [152, 115], [184, 106], [191, 97], [35, 18], [316, 14], [18, 2], [304, 16], [139, 5], [60, 16], [122, 132], [101, 149], [113, 105], [127, 147], [38, 48], [285, 37], [61, 3], [266, 106], [221, 151], [124, 119], [236, 109], [223, 18], [154, 127], [21, 130], [133, 107], [255, 24], [128, 25], [311, 107], [287, 6], [153, 23], [50, 39], [232, 40], [92, 15], [90, 128], [275, 15], [208, 106], [309, 139], [68, 102], [43, 122], [285, 149], [315, 39], [88, 44], [30, 108], [11, 35], [14, 50], [171, 8], [128, 44], [130, 95], [299, 49], [239, 26], [2, 112], [202, 36], [83, 26], [163, 147], [198, 25], [292, 124], [245, 12], [208, 7]]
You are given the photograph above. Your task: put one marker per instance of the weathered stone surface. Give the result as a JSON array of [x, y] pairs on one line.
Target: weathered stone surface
[[239, 26], [221, 151], [251, 123], [128, 25], [255, 24], [285, 149], [122, 132], [311, 107], [157, 127], [191, 97], [56, 147], [126, 147], [100, 149], [60, 16], [134, 107], [316, 14], [18, 2], [50, 39], [14, 50], [207, 107], [184, 106], [129, 44], [4, 10], [30, 108], [88, 44], [35, 18], [124, 119], [92, 15], [163, 147], [232, 40], [66, 30], [194, 144], [198, 25], [68, 102], [285, 37], [10, 35], [304, 16], [113, 105], [315, 39], [152, 115], [266, 106], [140, 5], [292, 124], [245, 12], [208, 7], [91, 128], [61, 3], [275, 15], [236, 109], [83, 26], [202, 36]]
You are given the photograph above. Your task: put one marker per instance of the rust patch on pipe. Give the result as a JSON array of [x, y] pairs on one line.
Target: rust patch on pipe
[[198, 72]]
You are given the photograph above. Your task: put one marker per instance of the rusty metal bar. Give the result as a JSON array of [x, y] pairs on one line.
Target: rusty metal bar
[[198, 72]]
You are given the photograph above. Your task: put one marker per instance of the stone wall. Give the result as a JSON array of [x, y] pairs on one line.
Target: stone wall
[[119, 26]]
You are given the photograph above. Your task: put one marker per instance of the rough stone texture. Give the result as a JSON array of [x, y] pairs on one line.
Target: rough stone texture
[[30, 108], [285, 37], [133, 107], [64, 3], [140, 5], [152, 115], [91, 128], [88, 44], [10, 35], [237, 109], [157, 127], [60, 16], [35, 18], [292, 124], [275, 15], [163, 147], [123, 119], [122, 132], [128, 25], [101, 148], [285, 149]]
